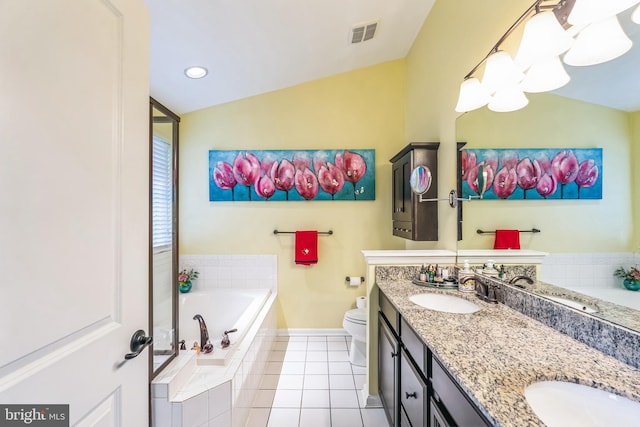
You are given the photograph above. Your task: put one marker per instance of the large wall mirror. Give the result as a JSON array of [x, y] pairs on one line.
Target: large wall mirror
[[163, 234], [593, 110]]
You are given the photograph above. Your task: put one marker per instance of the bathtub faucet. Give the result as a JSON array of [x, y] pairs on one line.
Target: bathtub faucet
[[205, 345]]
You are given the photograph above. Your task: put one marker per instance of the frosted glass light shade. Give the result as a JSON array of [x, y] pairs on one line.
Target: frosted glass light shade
[[545, 75], [587, 11], [635, 17], [509, 98], [472, 95], [500, 71], [599, 42], [543, 38]]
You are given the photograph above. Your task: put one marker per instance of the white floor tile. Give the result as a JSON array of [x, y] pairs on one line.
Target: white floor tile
[[287, 399], [312, 417], [297, 346], [317, 356], [315, 399], [316, 382], [316, 346], [344, 399], [295, 356], [341, 382], [258, 417], [338, 356], [316, 368], [283, 417], [269, 382], [292, 368], [374, 417], [346, 418], [358, 370], [263, 398], [317, 339], [290, 382], [339, 368], [359, 380], [337, 345]]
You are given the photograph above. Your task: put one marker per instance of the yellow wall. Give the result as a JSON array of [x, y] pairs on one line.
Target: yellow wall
[[359, 109], [455, 37], [635, 184]]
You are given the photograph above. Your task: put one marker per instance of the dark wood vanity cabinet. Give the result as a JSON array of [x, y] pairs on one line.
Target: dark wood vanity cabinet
[[413, 219], [415, 389]]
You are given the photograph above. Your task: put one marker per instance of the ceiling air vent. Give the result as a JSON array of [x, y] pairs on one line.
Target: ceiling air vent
[[363, 32]]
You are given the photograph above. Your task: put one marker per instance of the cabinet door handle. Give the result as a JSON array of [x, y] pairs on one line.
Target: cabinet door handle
[[409, 395], [394, 354]]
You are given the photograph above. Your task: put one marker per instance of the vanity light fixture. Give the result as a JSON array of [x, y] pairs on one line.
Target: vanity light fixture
[[549, 30], [196, 72]]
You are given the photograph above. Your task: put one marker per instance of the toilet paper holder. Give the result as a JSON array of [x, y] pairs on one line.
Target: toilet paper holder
[[348, 279]]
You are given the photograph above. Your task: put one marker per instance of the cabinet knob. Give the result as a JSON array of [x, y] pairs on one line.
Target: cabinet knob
[[413, 395]]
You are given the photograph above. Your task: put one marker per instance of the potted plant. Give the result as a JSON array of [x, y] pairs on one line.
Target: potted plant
[[631, 277], [185, 276]]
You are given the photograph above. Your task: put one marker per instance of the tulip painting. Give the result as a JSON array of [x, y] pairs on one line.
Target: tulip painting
[[534, 174], [291, 175]]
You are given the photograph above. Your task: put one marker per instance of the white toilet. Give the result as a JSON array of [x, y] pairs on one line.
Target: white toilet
[[355, 323]]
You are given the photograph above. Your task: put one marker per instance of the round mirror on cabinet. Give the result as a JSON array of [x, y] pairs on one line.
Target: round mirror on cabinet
[[420, 180]]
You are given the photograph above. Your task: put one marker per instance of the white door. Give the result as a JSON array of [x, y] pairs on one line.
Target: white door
[[73, 207]]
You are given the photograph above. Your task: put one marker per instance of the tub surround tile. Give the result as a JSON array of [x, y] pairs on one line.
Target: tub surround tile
[[494, 353]]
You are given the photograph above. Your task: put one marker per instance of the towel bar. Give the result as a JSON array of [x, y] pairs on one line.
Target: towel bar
[[533, 230], [330, 232]]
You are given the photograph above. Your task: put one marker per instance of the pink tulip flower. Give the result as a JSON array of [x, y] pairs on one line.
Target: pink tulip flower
[[547, 185], [246, 170], [306, 184], [301, 161], [331, 179], [223, 177], [472, 177], [353, 166], [504, 183], [265, 187], [564, 168], [469, 161], [528, 174], [282, 174], [587, 174]]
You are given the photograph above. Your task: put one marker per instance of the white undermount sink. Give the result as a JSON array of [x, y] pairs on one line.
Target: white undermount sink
[[565, 404], [445, 303], [573, 304]]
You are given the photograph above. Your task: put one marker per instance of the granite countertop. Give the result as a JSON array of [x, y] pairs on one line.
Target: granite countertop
[[496, 352]]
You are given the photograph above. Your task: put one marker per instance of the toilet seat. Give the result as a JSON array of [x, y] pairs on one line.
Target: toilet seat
[[357, 316]]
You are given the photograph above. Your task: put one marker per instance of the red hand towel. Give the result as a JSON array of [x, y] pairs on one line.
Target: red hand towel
[[306, 247], [507, 239]]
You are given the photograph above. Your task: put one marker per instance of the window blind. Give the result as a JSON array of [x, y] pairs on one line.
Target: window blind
[[162, 193]]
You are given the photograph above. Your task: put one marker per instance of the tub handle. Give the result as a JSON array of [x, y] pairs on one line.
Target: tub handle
[[225, 340]]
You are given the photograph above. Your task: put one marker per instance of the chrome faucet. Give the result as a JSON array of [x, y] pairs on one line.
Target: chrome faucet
[[205, 345]]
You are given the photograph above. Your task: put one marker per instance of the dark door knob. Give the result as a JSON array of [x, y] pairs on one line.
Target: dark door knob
[[138, 343]]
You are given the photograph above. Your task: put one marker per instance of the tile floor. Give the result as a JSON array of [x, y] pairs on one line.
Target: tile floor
[[309, 382]]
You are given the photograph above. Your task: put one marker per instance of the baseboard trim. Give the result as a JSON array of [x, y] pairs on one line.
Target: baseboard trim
[[293, 332]]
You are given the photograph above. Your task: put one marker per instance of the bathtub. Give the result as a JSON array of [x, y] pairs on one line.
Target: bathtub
[[222, 310], [216, 388]]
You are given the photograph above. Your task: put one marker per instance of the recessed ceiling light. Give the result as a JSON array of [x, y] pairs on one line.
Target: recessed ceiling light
[[196, 72]]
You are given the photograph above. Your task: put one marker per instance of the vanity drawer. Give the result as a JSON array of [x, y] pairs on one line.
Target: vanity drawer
[[413, 344], [453, 399], [389, 311], [413, 392]]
